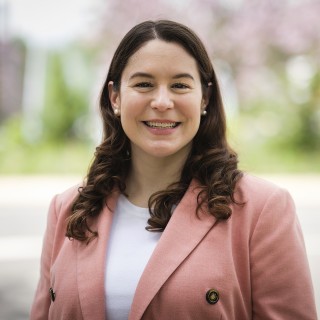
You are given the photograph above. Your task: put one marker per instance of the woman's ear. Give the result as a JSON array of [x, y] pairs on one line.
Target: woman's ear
[[114, 97]]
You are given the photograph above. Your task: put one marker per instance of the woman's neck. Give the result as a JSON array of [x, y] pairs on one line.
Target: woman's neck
[[149, 175]]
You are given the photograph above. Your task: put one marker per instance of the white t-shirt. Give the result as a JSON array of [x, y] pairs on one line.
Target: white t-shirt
[[129, 249]]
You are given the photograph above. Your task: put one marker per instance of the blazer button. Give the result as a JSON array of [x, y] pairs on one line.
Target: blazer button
[[212, 296]]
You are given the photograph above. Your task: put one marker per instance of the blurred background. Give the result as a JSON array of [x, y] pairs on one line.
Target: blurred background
[[54, 57]]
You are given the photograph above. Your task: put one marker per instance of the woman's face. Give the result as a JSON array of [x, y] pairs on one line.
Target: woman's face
[[160, 100]]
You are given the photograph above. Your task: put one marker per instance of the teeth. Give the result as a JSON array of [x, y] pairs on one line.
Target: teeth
[[163, 125]]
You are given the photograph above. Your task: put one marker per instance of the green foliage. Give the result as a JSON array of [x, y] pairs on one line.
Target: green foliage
[[65, 101], [11, 133], [17, 156], [257, 153], [306, 134], [266, 158]]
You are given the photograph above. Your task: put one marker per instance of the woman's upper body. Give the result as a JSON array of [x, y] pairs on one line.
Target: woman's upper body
[[255, 261], [231, 246]]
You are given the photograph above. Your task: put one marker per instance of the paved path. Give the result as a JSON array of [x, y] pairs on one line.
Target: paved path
[[23, 207]]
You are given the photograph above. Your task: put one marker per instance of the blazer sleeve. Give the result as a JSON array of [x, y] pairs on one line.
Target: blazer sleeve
[[280, 275], [41, 303]]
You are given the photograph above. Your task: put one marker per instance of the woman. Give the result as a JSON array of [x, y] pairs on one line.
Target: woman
[[218, 244]]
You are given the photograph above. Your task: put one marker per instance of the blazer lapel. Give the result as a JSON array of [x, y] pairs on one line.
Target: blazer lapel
[[183, 233], [91, 266]]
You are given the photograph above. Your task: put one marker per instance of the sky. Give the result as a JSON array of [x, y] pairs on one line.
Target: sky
[[47, 22]]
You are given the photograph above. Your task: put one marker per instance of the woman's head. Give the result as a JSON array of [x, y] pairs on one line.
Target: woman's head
[[211, 132]]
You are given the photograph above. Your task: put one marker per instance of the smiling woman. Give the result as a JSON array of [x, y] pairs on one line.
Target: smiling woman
[[165, 225]]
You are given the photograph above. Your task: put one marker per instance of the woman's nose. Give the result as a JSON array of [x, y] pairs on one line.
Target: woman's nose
[[162, 100]]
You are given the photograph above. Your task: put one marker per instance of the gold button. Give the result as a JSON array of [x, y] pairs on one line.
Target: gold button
[[212, 296]]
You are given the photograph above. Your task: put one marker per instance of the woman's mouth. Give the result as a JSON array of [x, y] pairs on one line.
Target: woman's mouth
[[161, 125]]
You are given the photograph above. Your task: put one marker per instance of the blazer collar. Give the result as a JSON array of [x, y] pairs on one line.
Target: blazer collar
[[182, 234]]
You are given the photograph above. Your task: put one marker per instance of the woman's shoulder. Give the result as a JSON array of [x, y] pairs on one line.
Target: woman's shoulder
[[257, 191], [70, 193], [63, 201], [262, 200], [257, 186]]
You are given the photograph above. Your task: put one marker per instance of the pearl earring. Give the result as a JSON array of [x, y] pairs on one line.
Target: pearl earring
[[204, 112], [116, 111]]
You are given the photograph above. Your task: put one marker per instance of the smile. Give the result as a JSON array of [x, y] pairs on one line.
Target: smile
[[161, 125]]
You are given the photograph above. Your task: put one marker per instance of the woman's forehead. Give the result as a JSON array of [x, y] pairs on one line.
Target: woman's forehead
[[161, 56]]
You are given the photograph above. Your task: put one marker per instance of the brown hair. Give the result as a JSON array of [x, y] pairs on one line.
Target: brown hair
[[211, 161]]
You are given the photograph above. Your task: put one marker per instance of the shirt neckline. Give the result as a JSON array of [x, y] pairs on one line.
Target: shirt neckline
[[132, 208]]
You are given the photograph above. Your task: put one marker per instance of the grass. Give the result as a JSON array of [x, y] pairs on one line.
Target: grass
[[63, 158], [271, 159]]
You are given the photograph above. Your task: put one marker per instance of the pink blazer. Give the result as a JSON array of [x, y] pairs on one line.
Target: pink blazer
[[255, 263]]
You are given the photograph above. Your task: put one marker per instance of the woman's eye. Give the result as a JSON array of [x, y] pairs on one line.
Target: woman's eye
[[180, 86], [144, 85]]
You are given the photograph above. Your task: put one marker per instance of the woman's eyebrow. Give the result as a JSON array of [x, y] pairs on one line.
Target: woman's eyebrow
[[148, 75], [142, 75], [183, 75]]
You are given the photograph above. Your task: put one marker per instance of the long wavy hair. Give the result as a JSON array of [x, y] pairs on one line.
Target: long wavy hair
[[211, 162]]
